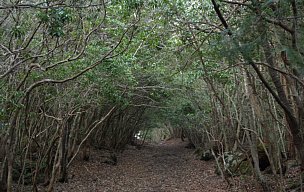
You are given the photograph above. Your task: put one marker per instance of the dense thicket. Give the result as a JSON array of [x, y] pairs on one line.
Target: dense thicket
[[228, 75]]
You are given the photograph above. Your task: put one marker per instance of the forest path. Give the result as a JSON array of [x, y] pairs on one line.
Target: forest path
[[164, 167]]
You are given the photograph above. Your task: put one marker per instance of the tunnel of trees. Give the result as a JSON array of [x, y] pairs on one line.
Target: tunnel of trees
[[75, 75]]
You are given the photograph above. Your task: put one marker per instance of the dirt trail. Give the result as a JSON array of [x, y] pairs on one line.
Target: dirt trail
[[164, 167]]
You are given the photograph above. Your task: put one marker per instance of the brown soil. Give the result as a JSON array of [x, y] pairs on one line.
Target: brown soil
[[164, 167]]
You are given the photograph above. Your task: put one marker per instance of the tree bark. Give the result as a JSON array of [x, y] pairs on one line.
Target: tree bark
[[290, 114]]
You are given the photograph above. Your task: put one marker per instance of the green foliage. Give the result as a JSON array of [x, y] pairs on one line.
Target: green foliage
[[18, 31], [55, 19]]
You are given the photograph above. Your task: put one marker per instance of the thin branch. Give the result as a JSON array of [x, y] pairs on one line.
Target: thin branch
[[89, 133], [44, 6], [252, 63], [279, 23], [237, 3], [105, 57], [283, 72]]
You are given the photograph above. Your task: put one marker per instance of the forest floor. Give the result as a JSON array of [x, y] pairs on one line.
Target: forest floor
[[164, 167]]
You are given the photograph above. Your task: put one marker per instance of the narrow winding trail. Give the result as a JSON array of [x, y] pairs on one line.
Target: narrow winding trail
[[164, 167]]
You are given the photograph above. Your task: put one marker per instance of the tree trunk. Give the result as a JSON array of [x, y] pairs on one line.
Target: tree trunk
[[291, 116]]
